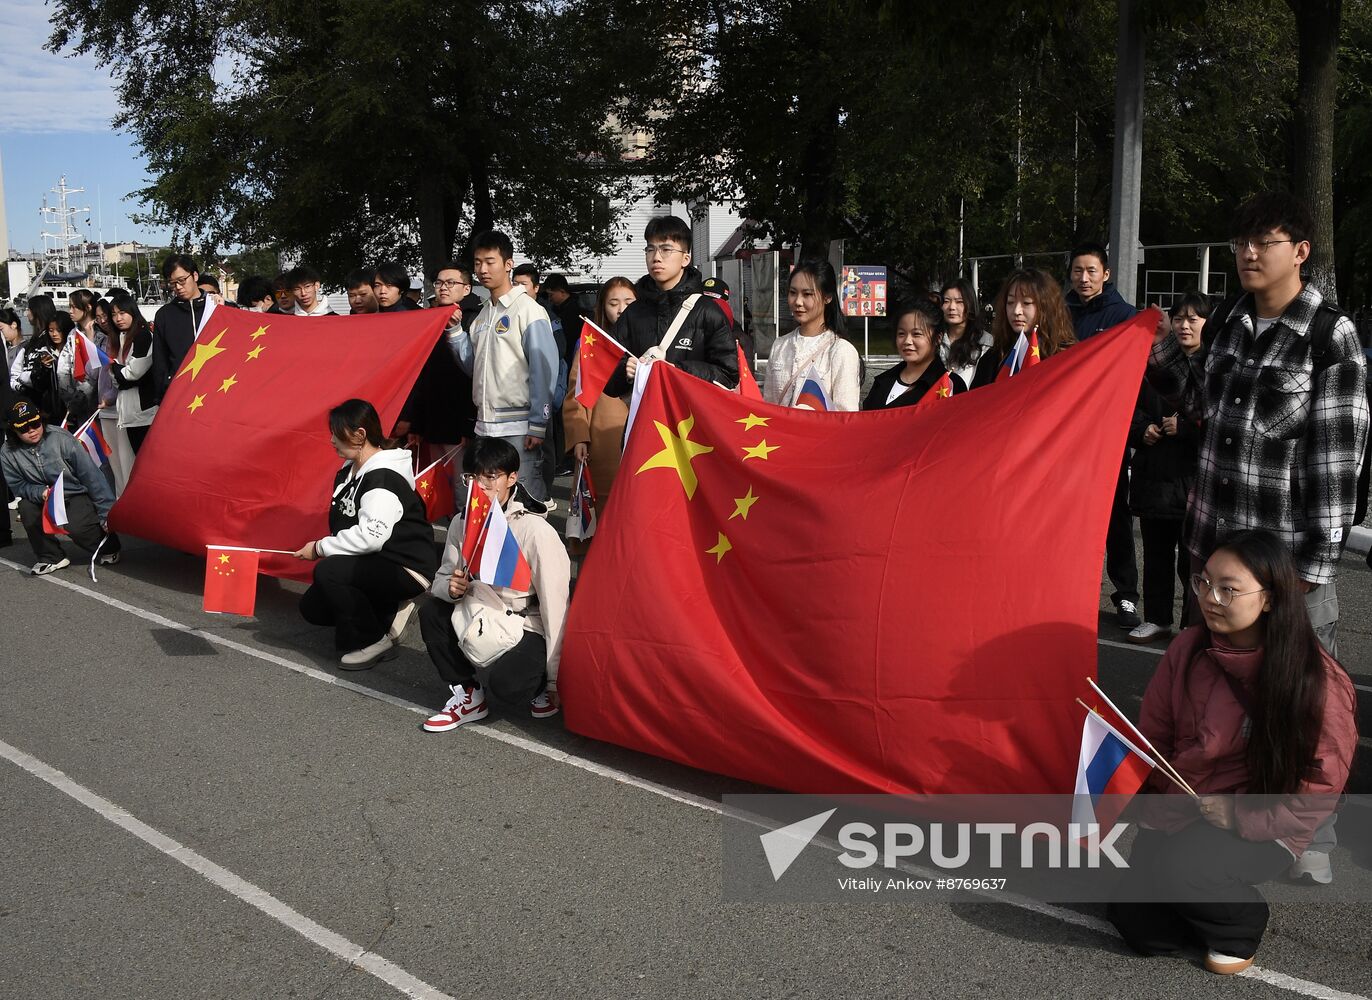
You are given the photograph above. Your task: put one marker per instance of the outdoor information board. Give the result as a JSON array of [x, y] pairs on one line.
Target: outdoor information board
[[863, 291]]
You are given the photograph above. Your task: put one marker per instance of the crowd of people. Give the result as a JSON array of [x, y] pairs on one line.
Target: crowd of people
[[1242, 465]]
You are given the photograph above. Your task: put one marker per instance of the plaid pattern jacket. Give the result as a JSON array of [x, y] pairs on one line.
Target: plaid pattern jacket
[[1281, 442]]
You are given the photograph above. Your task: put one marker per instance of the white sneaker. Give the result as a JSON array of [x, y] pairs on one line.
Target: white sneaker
[[1312, 866], [369, 656], [466, 705], [14, 504], [401, 621], [44, 568], [1147, 632], [1225, 965], [544, 706]]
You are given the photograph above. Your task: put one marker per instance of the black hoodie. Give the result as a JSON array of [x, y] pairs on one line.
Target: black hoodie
[[173, 333], [703, 346]]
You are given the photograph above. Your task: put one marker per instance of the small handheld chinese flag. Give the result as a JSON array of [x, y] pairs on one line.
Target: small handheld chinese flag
[[230, 581], [598, 355], [747, 384], [435, 487], [474, 522], [940, 390]]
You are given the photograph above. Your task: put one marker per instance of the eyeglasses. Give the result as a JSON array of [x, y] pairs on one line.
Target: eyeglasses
[[177, 283], [485, 479], [450, 283], [1259, 247], [660, 250], [1224, 596]]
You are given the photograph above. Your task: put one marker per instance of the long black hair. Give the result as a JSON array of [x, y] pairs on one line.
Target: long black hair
[[42, 312], [967, 349], [1288, 705], [821, 272], [124, 301]]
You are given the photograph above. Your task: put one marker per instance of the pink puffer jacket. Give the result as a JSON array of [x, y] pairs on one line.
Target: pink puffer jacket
[[1197, 722]]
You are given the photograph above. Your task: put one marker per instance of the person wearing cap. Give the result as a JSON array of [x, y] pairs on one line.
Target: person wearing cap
[[718, 289], [32, 460]]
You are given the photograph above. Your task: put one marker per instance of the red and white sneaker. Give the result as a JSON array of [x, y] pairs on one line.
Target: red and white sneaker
[[466, 705], [544, 706]]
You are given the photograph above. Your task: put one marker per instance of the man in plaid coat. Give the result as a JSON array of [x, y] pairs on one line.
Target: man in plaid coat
[[1279, 390]]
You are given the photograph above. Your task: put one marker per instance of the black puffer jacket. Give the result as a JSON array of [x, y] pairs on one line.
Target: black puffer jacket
[[1161, 475], [704, 346], [173, 333]]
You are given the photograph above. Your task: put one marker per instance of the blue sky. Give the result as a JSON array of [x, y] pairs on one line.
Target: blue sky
[[55, 116]]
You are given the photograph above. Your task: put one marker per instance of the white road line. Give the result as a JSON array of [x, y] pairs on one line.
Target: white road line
[[1061, 914], [337, 945]]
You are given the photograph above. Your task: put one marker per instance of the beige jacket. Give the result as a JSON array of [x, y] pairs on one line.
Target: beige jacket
[[549, 564]]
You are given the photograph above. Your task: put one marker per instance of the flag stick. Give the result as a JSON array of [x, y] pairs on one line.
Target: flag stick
[[1144, 740], [447, 455], [596, 326], [249, 548], [1167, 773]]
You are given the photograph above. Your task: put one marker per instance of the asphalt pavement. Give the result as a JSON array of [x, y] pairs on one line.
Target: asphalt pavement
[[198, 806]]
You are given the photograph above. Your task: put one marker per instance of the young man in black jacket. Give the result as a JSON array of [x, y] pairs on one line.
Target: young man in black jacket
[[703, 343], [176, 323]]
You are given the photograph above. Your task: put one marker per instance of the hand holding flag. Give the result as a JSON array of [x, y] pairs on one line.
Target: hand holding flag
[[495, 556]]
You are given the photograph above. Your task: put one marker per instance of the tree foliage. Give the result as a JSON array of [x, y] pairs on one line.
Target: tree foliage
[[344, 130]]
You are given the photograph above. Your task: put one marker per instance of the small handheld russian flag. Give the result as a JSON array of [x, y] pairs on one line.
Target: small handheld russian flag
[[93, 440], [55, 509], [498, 559], [812, 395], [1109, 765], [1025, 352], [85, 356], [581, 514]]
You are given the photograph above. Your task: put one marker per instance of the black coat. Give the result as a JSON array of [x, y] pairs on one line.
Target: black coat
[[173, 333], [704, 345], [569, 313], [883, 383], [1161, 475], [440, 406]]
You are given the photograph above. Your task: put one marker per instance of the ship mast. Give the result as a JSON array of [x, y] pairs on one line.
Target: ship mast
[[59, 241]]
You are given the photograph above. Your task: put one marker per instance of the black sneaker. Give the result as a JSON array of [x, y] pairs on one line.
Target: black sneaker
[[1127, 617], [108, 558]]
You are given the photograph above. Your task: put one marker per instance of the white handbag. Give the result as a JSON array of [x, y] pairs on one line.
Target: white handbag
[[486, 629]]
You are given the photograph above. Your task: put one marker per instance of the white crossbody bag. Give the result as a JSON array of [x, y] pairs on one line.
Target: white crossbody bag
[[486, 629]]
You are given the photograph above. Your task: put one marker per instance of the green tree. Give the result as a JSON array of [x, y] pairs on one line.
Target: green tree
[[342, 130]]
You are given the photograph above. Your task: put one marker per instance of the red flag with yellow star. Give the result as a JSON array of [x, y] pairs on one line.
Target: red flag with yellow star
[[230, 581], [598, 356], [239, 453], [435, 487], [903, 600], [940, 390]]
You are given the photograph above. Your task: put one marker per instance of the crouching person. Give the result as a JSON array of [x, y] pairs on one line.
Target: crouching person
[[498, 644], [34, 458], [380, 553]]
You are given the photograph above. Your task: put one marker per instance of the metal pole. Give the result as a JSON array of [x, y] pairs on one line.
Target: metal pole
[[976, 281], [1205, 271], [962, 217], [1127, 178], [866, 341]]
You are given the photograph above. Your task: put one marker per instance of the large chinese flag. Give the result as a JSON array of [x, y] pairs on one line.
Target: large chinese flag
[[239, 452], [896, 601]]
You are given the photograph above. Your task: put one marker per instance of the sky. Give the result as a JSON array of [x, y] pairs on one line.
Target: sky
[[55, 114]]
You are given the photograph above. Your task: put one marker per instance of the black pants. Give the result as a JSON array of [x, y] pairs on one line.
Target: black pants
[[1120, 565], [136, 436], [359, 596], [1208, 878], [515, 679], [6, 518], [83, 525], [1164, 559]]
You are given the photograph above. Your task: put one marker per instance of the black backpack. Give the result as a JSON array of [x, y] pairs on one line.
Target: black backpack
[[1321, 336]]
